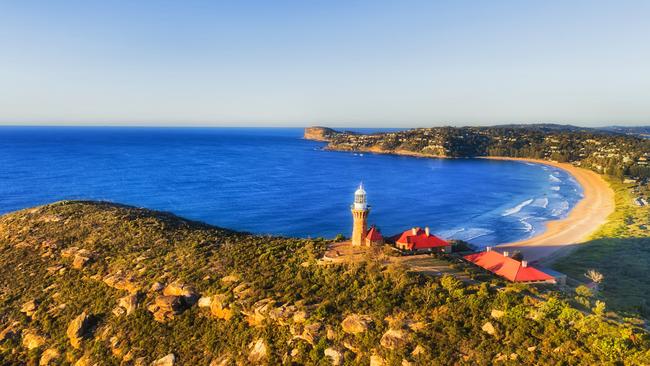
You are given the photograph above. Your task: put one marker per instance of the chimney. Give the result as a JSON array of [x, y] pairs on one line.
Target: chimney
[[488, 249], [414, 231], [506, 254], [524, 264], [426, 230]]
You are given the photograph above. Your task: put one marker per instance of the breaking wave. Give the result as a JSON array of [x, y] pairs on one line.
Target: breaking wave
[[540, 202], [517, 208], [553, 178]]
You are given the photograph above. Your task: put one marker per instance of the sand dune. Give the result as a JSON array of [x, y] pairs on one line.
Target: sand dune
[[583, 220]]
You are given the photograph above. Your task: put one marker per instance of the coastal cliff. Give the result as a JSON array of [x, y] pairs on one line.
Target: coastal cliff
[[88, 282], [317, 133]]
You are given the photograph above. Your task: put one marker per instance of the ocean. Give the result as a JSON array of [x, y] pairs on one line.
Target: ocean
[[271, 181]]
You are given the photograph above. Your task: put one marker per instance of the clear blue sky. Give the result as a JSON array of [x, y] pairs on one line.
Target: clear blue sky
[[337, 63]]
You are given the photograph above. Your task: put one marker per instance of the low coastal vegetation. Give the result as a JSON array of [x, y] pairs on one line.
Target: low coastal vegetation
[[88, 282], [620, 250]]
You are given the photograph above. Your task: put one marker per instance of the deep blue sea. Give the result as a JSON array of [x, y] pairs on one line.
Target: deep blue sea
[[271, 181]]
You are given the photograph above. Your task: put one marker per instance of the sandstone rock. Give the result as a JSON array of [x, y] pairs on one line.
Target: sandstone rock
[[355, 324], [129, 303], [335, 356], [532, 348], [85, 360], [29, 308], [300, 316], [310, 333], [183, 290], [351, 346], [258, 351], [223, 360], [165, 361], [496, 314], [205, 301], [10, 332], [394, 339], [419, 350], [32, 340], [122, 281], [376, 360], [230, 279], [80, 261], [406, 362], [488, 328], [49, 357], [118, 311], [77, 329], [283, 314], [166, 307], [69, 252], [219, 308], [156, 286], [140, 361], [242, 291], [260, 312]]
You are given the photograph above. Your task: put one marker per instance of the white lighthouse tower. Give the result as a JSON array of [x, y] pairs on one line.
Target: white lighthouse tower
[[360, 212]]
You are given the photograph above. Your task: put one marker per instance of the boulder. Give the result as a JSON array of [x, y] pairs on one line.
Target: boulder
[[376, 360], [233, 278], [166, 307], [129, 303], [489, 328], [32, 340], [122, 281], [259, 312], [496, 314], [242, 291], [29, 308], [334, 355], [394, 339], [186, 292], [165, 361], [300, 316], [205, 301], [219, 308], [80, 261], [258, 351], [69, 252], [355, 323], [156, 286], [419, 350], [310, 333], [85, 360], [49, 357], [223, 360], [77, 329]]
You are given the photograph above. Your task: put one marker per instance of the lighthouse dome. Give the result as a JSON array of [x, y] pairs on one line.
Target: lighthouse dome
[[360, 202]]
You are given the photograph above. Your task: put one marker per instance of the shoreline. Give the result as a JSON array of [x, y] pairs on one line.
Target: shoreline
[[560, 236]]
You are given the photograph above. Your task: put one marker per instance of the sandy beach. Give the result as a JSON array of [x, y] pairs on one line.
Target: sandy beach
[[583, 220]]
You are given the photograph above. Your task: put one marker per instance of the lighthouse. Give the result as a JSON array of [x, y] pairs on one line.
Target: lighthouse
[[360, 212]]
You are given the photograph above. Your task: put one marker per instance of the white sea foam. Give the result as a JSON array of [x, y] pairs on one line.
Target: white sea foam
[[540, 202], [528, 227], [555, 188], [472, 233], [517, 208], [553, 178], [562, 208]]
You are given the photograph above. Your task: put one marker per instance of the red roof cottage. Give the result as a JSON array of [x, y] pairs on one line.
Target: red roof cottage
[[511, 269], [374, 237], [416, 239]]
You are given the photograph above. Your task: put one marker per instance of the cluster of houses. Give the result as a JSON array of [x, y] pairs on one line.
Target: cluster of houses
[[417, 240]]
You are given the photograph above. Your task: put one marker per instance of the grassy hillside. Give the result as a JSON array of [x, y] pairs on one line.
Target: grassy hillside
[[620, 250], [236, 298]]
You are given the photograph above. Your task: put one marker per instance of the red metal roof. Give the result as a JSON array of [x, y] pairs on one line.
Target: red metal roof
[[507, 267], [374, 234], [420, 240]]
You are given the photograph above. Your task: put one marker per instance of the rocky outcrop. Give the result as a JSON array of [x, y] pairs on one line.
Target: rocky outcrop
[[185, 291], [77, 329], [49, 357], [496, 314], [219, 308], [334, 355], [489, 328], [258, 351], [394, 339], [166, 307], [122, 281], [32, 340], [318, 133], [376, 360], [259, 312], [223, 360], [168, 360], [355, 323], [29, 308], [204, 302], [129, 303]]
